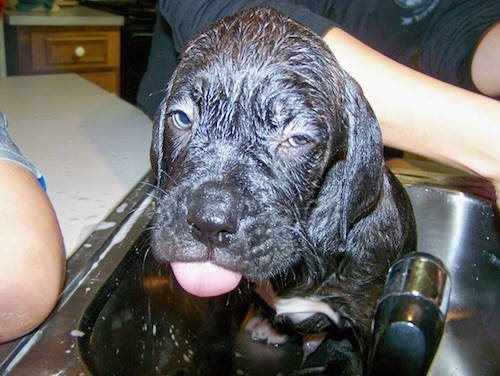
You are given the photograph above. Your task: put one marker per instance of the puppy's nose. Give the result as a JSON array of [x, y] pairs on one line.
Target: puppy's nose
[[212, 227]]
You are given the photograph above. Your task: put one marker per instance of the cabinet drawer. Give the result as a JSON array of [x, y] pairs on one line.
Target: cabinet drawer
[[91, 51], [70, 51], [108, 80]]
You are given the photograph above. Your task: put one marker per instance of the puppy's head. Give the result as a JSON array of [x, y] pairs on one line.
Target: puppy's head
[[259, 127]]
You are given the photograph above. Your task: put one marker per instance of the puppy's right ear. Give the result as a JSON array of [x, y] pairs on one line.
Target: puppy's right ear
[[156, 152], [364, 165]]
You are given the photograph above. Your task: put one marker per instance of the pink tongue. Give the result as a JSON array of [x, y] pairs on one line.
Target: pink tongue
[[204, 279]]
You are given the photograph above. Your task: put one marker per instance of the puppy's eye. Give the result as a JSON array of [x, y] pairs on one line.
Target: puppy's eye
[[181, 120], [297, 141]]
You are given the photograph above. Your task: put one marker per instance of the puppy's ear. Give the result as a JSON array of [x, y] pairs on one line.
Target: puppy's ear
[[156, 152], [362, 177]]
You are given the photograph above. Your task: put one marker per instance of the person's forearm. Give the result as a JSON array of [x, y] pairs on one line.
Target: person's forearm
[[422, 115]]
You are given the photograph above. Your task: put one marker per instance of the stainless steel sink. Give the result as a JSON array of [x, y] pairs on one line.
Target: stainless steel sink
[[122, 314]]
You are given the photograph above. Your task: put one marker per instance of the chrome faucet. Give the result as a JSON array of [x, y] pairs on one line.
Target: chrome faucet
[[410, 316]]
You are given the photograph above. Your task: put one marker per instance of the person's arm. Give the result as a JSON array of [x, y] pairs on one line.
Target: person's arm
[[485, 68], [423, 115], [32, 258]]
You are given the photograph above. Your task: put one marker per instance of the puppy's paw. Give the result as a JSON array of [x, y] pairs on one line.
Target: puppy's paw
[[311, 342], [261, 329]]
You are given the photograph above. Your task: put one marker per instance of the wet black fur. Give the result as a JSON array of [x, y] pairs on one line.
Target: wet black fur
[[322, 219]]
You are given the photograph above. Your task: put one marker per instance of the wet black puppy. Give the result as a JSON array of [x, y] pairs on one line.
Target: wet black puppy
[[270, 167]]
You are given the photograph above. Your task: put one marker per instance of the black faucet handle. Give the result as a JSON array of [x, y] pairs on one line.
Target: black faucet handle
[[410, 316]]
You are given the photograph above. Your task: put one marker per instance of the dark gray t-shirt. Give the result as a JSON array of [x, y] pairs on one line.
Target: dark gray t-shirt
[[436, 37]]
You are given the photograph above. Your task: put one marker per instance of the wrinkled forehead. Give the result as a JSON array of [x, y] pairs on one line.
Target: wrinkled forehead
[[266, 68]]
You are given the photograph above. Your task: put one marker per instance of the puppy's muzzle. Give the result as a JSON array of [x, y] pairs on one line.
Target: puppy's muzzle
[[213, 214]]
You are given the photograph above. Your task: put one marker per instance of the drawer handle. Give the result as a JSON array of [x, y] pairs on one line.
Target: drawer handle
[[79, 51]]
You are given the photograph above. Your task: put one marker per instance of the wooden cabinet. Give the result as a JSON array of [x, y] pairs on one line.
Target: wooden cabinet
[[91, 51]]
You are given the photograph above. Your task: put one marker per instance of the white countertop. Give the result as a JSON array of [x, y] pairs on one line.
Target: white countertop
[[91, 146], [67, 16]]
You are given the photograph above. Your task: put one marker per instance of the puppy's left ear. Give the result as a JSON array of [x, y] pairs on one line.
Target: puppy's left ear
[[363, 173]]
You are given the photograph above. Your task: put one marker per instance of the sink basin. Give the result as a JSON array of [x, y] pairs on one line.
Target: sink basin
[[123, 314]]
